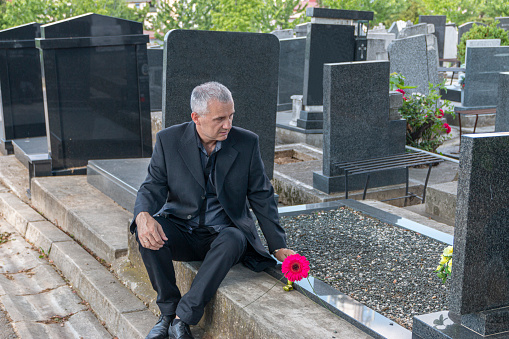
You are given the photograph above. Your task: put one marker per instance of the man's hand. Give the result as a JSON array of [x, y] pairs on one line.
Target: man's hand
[[150, 232], [282, 253]]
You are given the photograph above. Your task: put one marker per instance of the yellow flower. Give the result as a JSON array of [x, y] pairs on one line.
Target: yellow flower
[[444, 260], [450, 265], [439, 267], [448, 251]]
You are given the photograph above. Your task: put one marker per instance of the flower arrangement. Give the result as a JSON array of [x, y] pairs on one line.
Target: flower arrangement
[[423, 114], [444, 268], [295, 268]]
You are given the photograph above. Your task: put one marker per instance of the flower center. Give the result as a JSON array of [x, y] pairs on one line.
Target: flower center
[[295, 267]]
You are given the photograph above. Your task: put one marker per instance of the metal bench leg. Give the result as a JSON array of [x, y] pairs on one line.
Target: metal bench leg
[[346, 184], [459, 122], [406, 188], [365, 188], [426, 183], [476, 118]]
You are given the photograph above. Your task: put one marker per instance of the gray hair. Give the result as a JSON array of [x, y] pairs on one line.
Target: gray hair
[[204, 93]]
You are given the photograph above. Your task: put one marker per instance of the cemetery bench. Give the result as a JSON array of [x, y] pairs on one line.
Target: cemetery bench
[[404, 160], [475, 112], [451, 69]]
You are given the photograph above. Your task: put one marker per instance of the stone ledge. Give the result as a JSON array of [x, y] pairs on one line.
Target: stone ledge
[[441, 201], [17, 213], [84, 212]]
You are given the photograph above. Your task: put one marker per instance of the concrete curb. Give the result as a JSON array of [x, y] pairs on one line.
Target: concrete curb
[[17, 213]]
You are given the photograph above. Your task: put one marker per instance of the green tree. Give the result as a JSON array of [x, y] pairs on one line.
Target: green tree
[[482, 32], [385, 11], [185, 14], [237, 15], [20, 12]]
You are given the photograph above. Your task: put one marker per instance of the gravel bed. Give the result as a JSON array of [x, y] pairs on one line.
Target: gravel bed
[[385, 267]]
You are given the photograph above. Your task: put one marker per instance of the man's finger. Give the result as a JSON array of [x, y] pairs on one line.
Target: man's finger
[[159, 229]]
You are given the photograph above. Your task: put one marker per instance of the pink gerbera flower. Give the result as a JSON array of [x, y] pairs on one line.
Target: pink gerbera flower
[[295, 267], [447, 128]]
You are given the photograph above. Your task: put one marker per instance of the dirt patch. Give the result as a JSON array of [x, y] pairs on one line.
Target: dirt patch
[[4, 237], [291, 156]]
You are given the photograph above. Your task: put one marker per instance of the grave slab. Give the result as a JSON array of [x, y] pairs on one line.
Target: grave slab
[[291, 71], [439, 22], [502, 117], [155, 73]]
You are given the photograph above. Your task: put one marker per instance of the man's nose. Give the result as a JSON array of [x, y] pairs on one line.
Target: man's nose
[[227, 124]]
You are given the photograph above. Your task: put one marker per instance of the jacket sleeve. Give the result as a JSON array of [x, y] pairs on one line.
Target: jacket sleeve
[[153, 191], [260, 194]]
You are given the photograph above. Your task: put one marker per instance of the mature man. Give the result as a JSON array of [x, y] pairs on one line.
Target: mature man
[[193, 205]]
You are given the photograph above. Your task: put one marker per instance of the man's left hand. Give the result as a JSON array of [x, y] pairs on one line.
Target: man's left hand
[[283, 253]]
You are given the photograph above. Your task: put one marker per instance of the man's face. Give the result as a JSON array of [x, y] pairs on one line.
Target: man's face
[[214, 125]]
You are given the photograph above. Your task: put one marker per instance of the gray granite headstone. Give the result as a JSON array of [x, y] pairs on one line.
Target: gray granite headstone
[[416, 58], [479, 290], [246, 63], [283, 33], [377, 50], [301, 30], [451, 42], [481, 43], [397, 26], [502, 117], [439, 22], [357, 124], [503, 22], [291, 71], [484, 65], [480, 282], [155, 74], [462, 29], [418, 29], [387, 37]]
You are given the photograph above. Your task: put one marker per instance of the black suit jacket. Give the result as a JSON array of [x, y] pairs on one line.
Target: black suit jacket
[[175, 185]]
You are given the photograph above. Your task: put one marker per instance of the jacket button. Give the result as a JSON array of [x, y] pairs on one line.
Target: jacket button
[[189, 216], [202, 197]]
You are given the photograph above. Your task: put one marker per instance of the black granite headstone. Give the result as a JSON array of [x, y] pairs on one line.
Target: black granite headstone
[[479, 291], [326, 43], [503, 22], [155, 72], [246, 63], [22, 111], [502, 118], [462, 29], [291, 71], [439, 22], [95, 75], [357, 124]]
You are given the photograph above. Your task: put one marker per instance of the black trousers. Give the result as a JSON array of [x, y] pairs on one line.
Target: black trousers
[[219, 252]]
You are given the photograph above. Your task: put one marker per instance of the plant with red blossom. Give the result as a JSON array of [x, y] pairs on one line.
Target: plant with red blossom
[[295, 268], [447, 128], [440, 114]]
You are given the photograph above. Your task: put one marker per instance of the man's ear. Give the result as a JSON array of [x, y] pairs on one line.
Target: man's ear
[[194, 117]]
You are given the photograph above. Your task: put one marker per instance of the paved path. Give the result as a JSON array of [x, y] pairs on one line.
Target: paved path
[[38, 301]]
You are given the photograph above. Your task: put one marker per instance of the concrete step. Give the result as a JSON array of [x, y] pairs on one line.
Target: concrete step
[[84, 212], [411, 213], [123, 314], [441, 201]]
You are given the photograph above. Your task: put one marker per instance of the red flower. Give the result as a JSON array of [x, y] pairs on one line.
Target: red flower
[[404, 98], [295, 267], [441, 114], [447, 128], [401, 91]]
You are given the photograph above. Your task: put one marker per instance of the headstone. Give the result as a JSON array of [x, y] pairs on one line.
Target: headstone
[[465, 28], [416, 30], [377, 50], [387, 37], [397, 26], [283, 33], [439, 22], [503, 22], [451, 42], [327, 43], [291, 71], [155, 74], [483, 66], [96, 90], [502, 116], [357, 124], [481, 43], [301, 30], [479, 298], [416, 58], [246, 63], [22, 107], [296, 108]]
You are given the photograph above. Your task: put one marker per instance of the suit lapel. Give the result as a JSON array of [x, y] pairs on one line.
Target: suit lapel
[[225, 158], [190, 154]]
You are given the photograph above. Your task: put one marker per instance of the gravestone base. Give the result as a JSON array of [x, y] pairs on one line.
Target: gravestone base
[[439, 325], [6, 147], [333, 184], [311, 118], [453, 93]]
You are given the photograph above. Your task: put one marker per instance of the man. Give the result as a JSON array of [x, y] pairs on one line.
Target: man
[[193, 205]]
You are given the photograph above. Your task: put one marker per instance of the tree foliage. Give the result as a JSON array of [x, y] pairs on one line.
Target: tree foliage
[[482, 32], [19, 12]]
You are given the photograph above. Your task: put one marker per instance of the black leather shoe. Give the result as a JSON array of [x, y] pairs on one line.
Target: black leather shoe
[[179, 330], [160, 329]]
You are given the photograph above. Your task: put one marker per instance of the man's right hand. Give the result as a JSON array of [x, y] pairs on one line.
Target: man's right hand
[[150, 232]]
